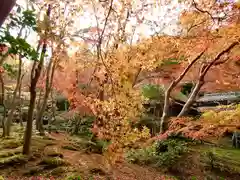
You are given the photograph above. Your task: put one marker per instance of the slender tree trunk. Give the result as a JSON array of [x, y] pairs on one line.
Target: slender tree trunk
[[28, 132], [38, 109], [53, 112], [19, 95], [53, 106], [34, 79], [170, 88], [3, 104], [13, 103], [41, 112], [48, 86]]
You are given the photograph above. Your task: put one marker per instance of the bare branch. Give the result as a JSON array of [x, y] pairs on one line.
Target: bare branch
[[206, 12], [204, 69]]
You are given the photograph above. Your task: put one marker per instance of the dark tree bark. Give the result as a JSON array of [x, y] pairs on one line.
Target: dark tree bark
[[3, 104], [5, 8], [38, 107]]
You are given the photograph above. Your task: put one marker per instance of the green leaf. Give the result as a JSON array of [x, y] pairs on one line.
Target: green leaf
[[154, 92], [10, 69]]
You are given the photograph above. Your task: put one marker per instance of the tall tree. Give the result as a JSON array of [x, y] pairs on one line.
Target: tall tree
[[35, 74], [18, 47]]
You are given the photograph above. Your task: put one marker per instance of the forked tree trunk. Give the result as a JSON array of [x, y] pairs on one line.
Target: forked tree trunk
[[203, 72], [171, 87]]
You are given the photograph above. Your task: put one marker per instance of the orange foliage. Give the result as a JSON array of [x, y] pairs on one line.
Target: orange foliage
[[122, 103], [210, 124], [113, 75]]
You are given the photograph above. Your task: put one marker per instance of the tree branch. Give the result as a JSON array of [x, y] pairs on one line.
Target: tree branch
[[204, 69]]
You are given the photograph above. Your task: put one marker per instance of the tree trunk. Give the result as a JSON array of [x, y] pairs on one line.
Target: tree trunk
[[19, 95], [34, 79], [38, 109], [3, 104], [171, 87], [166, 106], [53, 112], [48, 86], [13, 103], [41, 112], [28, 131], [5, 8], [33, 94], [53, 107]]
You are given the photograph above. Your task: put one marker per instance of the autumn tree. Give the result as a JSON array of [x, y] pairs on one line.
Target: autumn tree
[[20, 48], [35, 74], [107, 66], [199, 22], [57, 36], [116, 67]]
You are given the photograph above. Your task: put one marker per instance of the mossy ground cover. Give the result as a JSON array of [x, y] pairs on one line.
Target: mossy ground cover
[[64, 157], [210, 161], [222, 158]]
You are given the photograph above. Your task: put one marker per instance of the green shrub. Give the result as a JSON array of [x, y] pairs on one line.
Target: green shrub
[[81, 125], [161, 153], [153, 92], [187, 88], [62, 103]]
